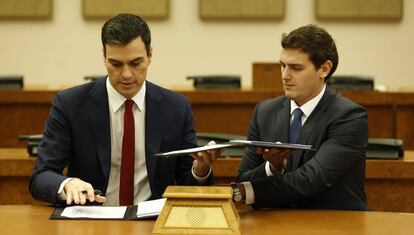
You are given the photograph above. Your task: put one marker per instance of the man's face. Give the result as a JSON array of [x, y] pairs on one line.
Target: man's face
[[301, 80], [127, 66]]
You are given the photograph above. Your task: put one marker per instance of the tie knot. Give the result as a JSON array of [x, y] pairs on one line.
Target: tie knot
[[297, 113], [128, 104]]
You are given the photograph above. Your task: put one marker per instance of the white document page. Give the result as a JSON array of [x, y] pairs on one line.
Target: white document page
[[196, 149], [150, 208], [96, 212]]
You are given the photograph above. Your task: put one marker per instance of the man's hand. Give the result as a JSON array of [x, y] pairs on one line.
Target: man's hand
[[203, 160], [77, 191], [276, 157]]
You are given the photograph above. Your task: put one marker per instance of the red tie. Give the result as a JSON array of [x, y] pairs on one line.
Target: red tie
[[126, 187]]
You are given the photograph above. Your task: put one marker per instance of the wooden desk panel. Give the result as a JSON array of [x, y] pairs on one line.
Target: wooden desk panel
[[389, 183], [405, 125], [15, 170], [223, 111], [381, 122], [34, 220], [22, 112]]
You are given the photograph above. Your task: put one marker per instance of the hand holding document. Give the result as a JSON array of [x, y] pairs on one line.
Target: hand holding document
[[237, 143]]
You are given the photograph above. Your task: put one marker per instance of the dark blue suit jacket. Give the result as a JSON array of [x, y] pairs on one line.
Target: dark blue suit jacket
[[77, 136], [333, 177]]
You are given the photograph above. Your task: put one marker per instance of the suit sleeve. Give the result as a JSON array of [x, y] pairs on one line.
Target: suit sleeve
[[183, 170], [54, 154]]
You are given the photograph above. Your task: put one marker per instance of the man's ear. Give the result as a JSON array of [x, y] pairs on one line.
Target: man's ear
[[326, 68]]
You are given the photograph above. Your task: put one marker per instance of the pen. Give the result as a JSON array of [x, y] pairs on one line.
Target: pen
[[95, 192]]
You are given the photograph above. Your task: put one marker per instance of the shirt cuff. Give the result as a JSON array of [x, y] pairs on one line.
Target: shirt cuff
[[61, 193], [249, 192], [268, 170], [201, 179]]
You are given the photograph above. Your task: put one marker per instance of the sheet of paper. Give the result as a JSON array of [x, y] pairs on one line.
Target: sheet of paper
[[150, 208], [195, 150], [96, 212]]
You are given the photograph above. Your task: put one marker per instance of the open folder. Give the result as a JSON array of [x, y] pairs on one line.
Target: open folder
[[144, 210], [237, 143]]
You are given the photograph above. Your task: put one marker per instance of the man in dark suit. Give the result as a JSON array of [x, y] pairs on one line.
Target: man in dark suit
[[309, 113], [106, 132]]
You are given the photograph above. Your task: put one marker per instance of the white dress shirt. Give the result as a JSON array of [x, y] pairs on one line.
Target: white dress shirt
[[116, 102]]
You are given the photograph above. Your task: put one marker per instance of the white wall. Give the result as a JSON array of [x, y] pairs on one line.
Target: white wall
[[61, 51]]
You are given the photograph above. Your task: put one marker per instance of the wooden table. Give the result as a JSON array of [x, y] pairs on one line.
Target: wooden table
[[389, 183], [224, 111], [32, 220]]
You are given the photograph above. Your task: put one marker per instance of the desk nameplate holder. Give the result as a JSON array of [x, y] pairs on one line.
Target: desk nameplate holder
[[198, 210]]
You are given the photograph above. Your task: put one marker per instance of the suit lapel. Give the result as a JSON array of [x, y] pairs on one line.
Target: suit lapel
[[153, 130], [312, 122], [280, 130], [99, 120]]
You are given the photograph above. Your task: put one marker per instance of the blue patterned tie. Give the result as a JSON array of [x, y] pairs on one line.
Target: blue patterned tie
[[295, 125]]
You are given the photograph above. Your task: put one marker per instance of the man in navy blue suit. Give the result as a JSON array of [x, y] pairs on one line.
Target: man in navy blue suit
[[86, 128], [333, 177]]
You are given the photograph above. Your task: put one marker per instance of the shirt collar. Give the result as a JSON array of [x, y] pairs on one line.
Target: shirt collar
[[309, 106], [116, 100]]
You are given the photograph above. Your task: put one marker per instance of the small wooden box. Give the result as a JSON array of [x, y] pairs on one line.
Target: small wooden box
[[198, 210], [267, 76]]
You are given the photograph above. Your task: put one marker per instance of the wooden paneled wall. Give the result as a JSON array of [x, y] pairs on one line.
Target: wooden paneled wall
[[224, 111]]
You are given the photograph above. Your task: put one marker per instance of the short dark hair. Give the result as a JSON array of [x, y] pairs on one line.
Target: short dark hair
[[316, 42], [123, 28]]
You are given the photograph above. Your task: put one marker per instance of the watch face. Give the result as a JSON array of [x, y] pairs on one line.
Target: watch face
[[237, 195]]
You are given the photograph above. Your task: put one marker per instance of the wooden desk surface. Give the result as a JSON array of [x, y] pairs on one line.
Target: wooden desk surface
[[33, 220]]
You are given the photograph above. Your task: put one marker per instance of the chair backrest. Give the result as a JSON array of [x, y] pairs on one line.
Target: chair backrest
[[385, 148]]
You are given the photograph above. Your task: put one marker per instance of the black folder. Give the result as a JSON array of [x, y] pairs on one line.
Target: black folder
[[130, 214]]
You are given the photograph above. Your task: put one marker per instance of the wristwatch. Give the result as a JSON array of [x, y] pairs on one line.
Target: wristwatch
[[237, 196]]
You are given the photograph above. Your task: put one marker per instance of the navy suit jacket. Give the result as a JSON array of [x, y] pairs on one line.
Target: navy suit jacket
[[333, 177], [77, 136]]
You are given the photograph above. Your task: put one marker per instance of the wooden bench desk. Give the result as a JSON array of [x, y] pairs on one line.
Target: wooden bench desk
[[389, 183]]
